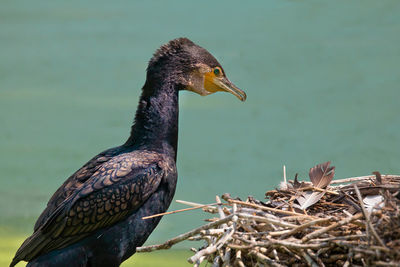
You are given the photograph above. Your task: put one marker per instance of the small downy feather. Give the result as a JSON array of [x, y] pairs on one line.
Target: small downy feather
[[309, 198], [374, 203], [321, 176]]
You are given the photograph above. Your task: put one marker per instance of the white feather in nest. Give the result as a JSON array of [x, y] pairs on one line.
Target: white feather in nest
[[308, 199], [374, 203]]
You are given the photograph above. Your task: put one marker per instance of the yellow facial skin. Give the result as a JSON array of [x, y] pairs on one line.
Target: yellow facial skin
[[215, 81], [209, 84]]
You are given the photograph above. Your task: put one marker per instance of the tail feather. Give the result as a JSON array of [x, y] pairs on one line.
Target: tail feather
[[31, 248]]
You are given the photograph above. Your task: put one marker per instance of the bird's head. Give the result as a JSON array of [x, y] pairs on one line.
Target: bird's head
[[192, 67]]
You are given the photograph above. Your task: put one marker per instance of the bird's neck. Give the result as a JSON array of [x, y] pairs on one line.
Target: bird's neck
[[156, 120]]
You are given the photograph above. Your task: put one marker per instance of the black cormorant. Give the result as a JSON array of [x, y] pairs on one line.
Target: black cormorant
[[95, 217]]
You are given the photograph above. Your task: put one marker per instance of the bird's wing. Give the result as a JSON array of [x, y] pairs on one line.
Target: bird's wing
[[74, 182], [118, 188]]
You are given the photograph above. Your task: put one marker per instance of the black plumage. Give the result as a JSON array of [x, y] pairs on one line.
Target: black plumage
[[95, 217]]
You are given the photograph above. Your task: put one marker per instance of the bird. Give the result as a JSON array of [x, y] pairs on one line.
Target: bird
[[95, 217]]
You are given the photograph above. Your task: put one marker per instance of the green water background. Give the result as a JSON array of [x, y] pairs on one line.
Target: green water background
[[322, 79]]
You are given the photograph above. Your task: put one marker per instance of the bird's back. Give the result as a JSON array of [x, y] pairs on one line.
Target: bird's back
[[77, 180]]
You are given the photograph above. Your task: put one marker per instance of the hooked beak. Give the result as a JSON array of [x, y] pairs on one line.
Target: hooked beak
[[223, 84]]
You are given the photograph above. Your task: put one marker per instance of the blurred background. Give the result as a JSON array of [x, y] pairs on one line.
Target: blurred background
[[322, 79]]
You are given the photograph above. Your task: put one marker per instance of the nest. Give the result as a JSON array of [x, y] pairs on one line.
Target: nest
[[348, 222]]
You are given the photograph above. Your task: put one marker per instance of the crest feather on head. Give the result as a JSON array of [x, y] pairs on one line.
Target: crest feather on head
[[170, 48]]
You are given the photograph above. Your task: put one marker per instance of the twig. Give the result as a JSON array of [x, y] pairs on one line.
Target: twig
[[268, 208], [169, 243], [227, 258], [367, 217], [216, 261], [193, 204], [212, 248], [265, 219], [337, 238], [220, 211], [308, 259], [330, 227], [265, 259], [299, 228], [292, 244], [280, 243], [313, 188], [284, 174], [176, 211], [384, 263], [360, 178], [238, 258], [198, 262]]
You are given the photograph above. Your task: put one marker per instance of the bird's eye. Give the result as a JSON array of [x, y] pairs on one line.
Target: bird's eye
[[217, 71]]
